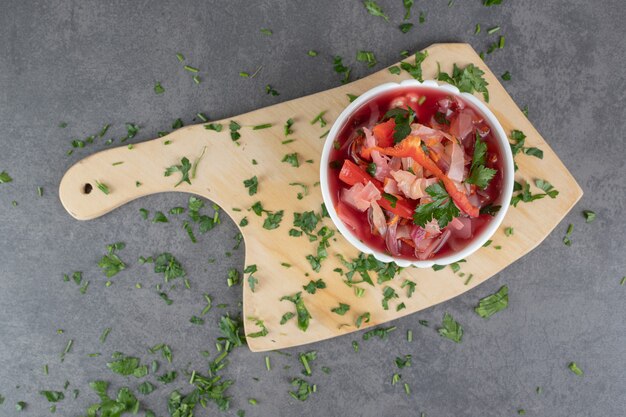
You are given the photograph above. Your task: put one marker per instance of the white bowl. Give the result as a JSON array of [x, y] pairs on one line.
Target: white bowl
[[507, 184]]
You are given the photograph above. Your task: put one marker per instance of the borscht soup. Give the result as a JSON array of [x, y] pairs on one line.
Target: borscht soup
[[415, 173]]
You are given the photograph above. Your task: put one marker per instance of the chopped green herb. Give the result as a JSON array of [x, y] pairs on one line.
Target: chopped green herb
[[183, 168], [395, 70], [508, 231], [351, 98], [575, 369], [506, 76], [105, 334], [442, 208], [110, 263], [265, 31], [5, 177], [213, 126], [407, 8], [313, 286], [341, 69], [468, 80], [271, 91], [159, 217], [261, 333], [303, 389], [341, 310], [415, 70], [167, 264], [103, 187], [366, 56], [252, 185], [363, 318], [451, 329], [374, 9], [403, 119], [301, 310], [477, 29], [158, 88], [234, 130], [292, 159], [312, 53], [490, 305]]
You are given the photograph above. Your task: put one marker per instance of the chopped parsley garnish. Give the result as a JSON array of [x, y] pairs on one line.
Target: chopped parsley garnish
[[382, 333], [271, 91], [403, 362], [374, 9], [526, 196], [234, 130], [273, 220], [341, 310], [266, 31], [363, 318], [405, 27], [403, 119], [167, 264], [5, 177], [490, 305], [508, 231], [301, 310], [261, 333], [410, 287], [442, 208], [415, 70], [320, 118], [158, 89], [506, 76], [590, 216], [159, 217], [53, 396], [568, 234], [287, 316], [103, 187], [313, 286], [491, 2], [292, 159], [184, 168], [303, 389], [341, 69], [573, 366], [288, 125], [547, 187], [125, 402], [305, 358], [214, 126], [467, 80], [252, 185], [371, 169], [451, 329], [388, 295], [110, 263], [311, 53], [479, 174], [407, 8], [366, 56], [124, 365], [395, 70], [351, 98]]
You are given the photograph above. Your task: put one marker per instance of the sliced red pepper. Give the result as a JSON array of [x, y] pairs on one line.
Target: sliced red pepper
[[351, 174], [383, 132], [411, 147]]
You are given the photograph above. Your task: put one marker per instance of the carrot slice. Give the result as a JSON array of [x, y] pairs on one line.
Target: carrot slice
[[411, 146]]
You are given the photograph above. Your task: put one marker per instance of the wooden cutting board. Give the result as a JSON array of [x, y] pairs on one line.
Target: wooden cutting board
[[224, 167]]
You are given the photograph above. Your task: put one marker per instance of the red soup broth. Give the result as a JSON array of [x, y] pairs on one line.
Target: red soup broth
[[372, 112]]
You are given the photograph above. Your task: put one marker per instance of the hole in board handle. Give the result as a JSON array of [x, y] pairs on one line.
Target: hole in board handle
[[87, 188]]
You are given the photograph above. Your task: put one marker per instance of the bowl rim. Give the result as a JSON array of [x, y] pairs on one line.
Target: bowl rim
[[507, 183]]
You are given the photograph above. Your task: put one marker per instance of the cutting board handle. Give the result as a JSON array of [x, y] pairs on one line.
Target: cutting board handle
[[132, 171]]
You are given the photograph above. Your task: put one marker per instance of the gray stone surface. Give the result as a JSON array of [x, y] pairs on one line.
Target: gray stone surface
[[91, 62]]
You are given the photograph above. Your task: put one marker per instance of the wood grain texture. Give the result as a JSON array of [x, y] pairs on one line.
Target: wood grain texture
[[220, 176]]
